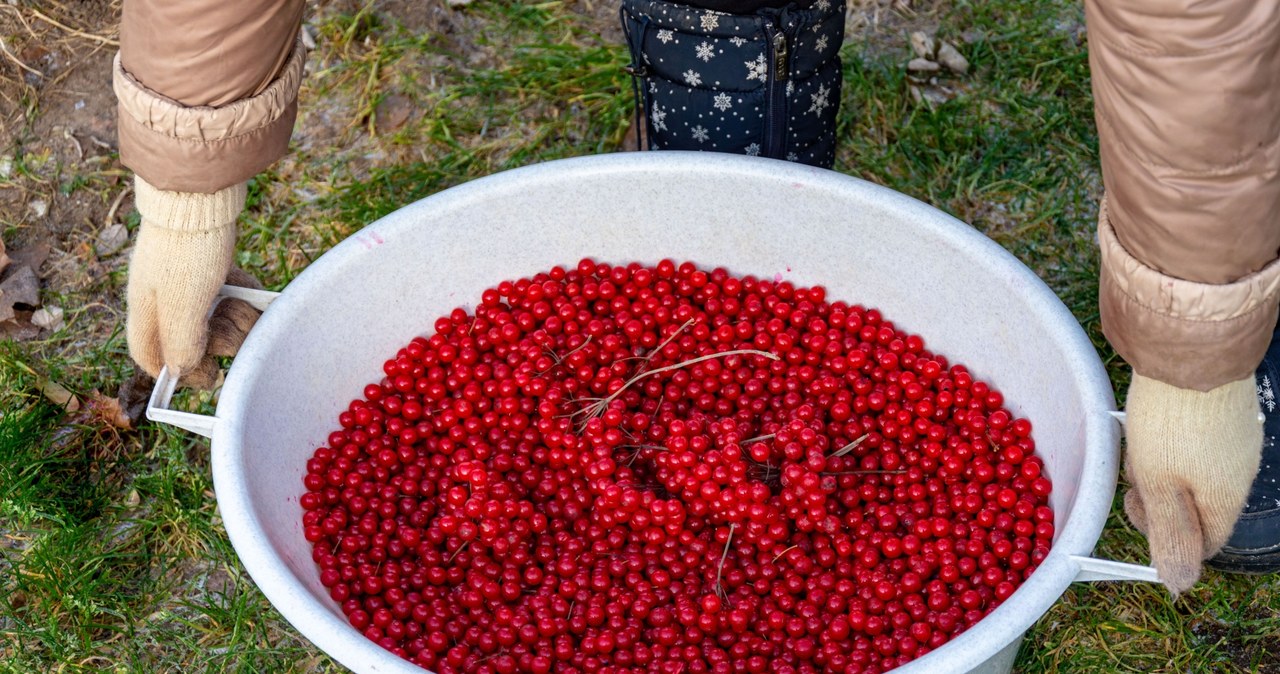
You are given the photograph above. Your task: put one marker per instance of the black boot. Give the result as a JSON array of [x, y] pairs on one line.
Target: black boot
[[763, 83], [1254, 546]]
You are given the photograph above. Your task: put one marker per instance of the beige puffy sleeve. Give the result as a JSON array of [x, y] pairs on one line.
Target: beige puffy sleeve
[[207, 89]]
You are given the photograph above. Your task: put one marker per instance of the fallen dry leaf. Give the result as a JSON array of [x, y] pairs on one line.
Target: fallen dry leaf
[[109, 410], [19, 328], [393, 112], [32, 256], [111, 239], [58, 394], [33, 52], [133, 396]]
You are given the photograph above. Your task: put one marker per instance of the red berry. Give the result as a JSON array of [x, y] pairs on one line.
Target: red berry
[[576, 475]]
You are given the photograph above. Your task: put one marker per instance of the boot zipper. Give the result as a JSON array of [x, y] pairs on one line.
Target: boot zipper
[[780, 54], [776, 122]]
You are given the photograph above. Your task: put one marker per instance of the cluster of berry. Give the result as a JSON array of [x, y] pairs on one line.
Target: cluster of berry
[[668, 469]]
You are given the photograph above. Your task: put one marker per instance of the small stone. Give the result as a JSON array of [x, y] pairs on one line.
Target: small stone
[[6, 167], [111, 239], [937, 96], [20, 286], [459, 3], [4, 258], [49, 318], [393, 112], [308, 36], [923, 65], [931, 95], [39, 207], [951, 57], [923, 44]]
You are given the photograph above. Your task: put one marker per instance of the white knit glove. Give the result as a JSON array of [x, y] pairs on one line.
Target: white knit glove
[[1191, 458], [182, 256]]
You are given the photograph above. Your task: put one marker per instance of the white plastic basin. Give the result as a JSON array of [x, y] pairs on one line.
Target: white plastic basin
[[329, 332]]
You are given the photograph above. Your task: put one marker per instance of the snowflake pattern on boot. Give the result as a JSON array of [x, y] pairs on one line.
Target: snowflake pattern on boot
[[763, 84]]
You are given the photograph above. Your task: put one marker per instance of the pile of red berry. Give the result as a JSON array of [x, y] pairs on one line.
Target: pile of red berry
[[633, 468]]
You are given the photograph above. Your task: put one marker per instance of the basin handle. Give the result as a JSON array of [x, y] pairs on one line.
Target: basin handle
[[1120, 416], [258, 299], [1092, 569], [158, 404]]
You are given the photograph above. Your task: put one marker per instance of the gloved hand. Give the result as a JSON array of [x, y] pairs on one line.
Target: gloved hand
[[230, 323], [182, 256], [1191, 458]]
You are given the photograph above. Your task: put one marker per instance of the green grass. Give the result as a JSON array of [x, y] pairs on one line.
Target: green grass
[[112, 555]]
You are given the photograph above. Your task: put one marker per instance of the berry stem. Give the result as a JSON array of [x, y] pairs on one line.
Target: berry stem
[[780, 554], [865, 472], [658, 349], [557, 359], [720, 569], [460, 549], [598, 407], [849, 447]]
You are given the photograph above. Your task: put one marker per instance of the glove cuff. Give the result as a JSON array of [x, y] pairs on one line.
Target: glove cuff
[[189, 211]]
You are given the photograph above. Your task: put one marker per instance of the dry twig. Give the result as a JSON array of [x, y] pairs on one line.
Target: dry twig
[[849, 447], [4, 47], [865, 472], [720, 569], [74, 31], [598, 407]]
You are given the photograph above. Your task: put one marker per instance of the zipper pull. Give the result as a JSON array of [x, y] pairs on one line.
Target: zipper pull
[[781, 69]]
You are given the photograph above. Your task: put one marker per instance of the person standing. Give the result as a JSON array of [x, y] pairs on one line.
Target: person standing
[[1187, 103]]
